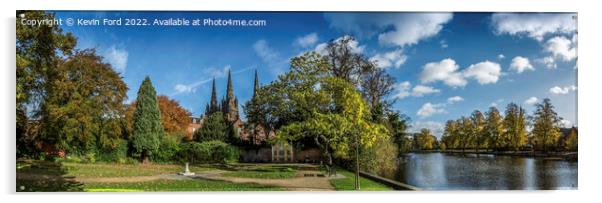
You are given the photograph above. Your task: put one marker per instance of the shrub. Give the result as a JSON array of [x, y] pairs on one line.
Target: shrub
[[168, 147], [208, 152], [115, 154]]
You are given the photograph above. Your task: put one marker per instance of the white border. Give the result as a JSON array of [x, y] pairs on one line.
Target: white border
[[589, 97]]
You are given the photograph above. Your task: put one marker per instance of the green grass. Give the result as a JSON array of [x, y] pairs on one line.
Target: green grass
[[266, 171], [348, 183], [100, 170], [53, 176], [177, 185]]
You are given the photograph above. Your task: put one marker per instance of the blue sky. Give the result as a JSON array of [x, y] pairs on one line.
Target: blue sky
[[446, 64]]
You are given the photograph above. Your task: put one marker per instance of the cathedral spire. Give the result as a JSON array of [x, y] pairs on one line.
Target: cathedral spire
[[229, 91], [256, 84], [213, 104]]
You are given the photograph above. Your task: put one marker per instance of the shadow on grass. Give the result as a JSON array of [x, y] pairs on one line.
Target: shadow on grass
[[44, 176]]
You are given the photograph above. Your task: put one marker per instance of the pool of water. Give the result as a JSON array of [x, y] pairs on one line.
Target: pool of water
[[439, 171]]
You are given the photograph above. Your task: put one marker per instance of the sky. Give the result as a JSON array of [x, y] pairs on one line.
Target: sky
[[446, 64]]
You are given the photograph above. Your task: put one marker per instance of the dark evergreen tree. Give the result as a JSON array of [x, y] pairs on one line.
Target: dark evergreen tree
[[147, 129], [214, 128]]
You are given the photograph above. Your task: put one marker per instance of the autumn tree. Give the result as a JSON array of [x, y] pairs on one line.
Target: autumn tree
[[515, 122], [147, 130], [450, 135], [494, 128], [546, 125]]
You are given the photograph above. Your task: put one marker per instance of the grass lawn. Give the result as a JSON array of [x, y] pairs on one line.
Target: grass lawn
[[100, 170], [177, 185], [53, 176], [264, 171], [348, 183]]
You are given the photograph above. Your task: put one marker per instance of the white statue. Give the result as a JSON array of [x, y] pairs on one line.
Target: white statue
[[187, 171]]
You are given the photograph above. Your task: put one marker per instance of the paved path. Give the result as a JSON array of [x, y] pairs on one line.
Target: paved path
[[298, 183]]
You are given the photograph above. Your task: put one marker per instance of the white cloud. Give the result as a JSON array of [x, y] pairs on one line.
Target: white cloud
[[209, 74], [547, 61], [562, 90], [446, 70], [118, 58], [566, 123], [443, 44], [401, 29], [402, 90], [561, 48], [263, 50], [354, 45], [501, 56], [520, 64], [454, 99], [484, 72], [390, 59], [435, 127], [421, 90], [533, 25], [412, 28], [531, 100], [307, 40], [429, 109]]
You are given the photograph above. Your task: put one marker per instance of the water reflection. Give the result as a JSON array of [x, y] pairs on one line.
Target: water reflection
[[437, 171]]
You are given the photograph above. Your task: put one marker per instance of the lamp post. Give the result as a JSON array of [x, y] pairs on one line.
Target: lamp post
[[357, 162]]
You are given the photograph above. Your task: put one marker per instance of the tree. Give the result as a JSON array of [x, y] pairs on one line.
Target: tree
[[174, 118], [494, 128], [214, 128], [465, 130], [515, 122], [425, 139], [38, 52], [345, 62], [397, 125], [337, 122], [571, 141], [376, 85], [451, 135], [147, 128], [478, 131], [83, 109], [546, 125]]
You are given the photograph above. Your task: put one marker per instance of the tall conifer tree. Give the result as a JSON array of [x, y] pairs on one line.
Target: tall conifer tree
[[147, 129]]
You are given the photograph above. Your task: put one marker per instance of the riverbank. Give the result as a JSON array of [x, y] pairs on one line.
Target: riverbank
[[569, 156]]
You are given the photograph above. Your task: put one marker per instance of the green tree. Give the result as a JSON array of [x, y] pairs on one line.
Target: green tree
[[425, 139], [494, 128], [83, 111], [478, 130], [450, 135], [465, 131], [571, 141], [515, 122], [147, 128], [546, 126], [397, 125], [214, 128], [39, 49], [338, 123]]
